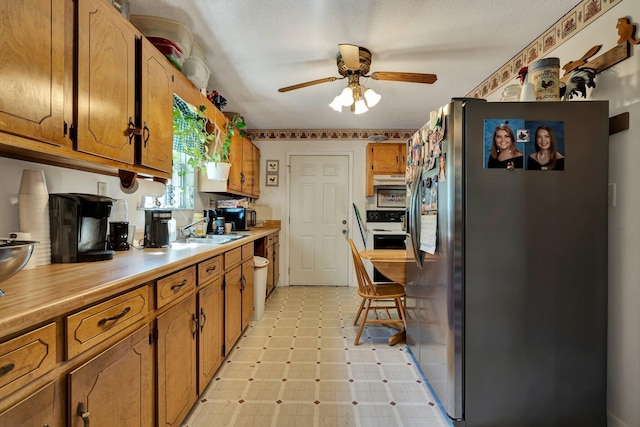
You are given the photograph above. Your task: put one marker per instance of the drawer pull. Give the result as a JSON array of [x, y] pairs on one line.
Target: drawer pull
[[179, 285], [83, 414], [104, 320], [210, 269], [6, 369]]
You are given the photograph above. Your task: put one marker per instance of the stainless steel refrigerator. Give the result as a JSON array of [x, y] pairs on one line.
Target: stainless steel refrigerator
[[507, 314]]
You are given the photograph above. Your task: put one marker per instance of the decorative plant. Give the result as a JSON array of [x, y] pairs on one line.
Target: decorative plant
[[203, 141]]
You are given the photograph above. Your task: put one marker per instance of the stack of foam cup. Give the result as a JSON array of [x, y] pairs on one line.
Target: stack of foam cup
[[33, 207]]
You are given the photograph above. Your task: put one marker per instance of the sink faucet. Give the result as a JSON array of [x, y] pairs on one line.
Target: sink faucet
[[186, 230]]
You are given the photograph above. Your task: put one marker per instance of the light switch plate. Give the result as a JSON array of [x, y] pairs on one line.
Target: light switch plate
[[102, 188]]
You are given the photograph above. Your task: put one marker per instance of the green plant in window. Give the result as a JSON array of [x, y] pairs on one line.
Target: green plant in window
[[207, 144]]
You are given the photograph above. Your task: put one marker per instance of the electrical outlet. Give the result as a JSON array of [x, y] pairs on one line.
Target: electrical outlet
[[102, 188]]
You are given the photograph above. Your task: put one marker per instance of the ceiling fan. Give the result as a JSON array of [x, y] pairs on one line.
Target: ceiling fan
[[354, 62]]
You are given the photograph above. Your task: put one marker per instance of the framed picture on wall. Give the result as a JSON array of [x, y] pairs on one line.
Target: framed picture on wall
[[272, 180], [273, 166]]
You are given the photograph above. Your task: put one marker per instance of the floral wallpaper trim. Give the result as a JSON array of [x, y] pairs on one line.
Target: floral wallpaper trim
[[329, 134], [569, 25]]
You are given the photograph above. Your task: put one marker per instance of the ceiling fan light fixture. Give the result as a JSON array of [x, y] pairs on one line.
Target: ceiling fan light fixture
[[371, 97], [346, 96], [360, 107], [336, 104]]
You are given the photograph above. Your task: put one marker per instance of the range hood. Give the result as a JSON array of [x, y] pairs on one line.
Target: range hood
[[388, 180]]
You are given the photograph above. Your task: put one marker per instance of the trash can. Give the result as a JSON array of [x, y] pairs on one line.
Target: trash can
[[259, 285]]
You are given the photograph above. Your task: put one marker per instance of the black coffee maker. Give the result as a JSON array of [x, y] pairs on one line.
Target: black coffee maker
[[78, 224], [156, 228], [215, 225]]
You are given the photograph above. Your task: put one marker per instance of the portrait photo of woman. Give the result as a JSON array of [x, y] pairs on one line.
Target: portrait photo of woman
[[546, 155], [504, 154]]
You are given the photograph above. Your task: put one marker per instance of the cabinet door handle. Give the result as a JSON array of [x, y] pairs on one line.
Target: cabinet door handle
[[194, 319], [146, 133], [204, 318], [6, 369], [83, 414], [132, 130], [104, 320], [213, 268], [179, 285], [242, 283]]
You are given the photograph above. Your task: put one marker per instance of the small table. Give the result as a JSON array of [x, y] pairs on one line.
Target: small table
[[393, 264]]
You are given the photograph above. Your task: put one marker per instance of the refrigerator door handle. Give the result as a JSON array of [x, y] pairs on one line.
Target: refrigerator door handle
[[414, 218]]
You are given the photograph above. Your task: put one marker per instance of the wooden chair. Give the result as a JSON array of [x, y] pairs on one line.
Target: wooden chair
[[374, 298]]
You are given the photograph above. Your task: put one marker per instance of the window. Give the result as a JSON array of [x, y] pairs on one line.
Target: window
[[181, 186]]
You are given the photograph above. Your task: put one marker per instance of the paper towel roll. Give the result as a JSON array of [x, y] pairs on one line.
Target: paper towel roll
[[154, 188]]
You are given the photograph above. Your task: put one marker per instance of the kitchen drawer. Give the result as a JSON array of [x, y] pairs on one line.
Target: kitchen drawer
[[175, 285], [27, 357], [247, 251], [270, 239], [232, 258], [209, 270], [101, 321]]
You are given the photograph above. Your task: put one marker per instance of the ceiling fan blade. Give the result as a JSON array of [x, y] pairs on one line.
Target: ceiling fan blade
[[311, 83], [404, 77], [350, 55]]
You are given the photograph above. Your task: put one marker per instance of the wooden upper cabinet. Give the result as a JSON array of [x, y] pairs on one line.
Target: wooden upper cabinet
[[247, 166], [243, 177], [33, 69], [105, 82], [235, 173], [386, 158], [156, 142], [256, 172]]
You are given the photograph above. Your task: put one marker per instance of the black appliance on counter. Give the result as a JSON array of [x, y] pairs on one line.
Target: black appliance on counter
[[156, 228], [241, 218], [78, 225]]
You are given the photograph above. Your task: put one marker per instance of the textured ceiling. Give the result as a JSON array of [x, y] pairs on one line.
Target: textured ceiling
[[254, 47]]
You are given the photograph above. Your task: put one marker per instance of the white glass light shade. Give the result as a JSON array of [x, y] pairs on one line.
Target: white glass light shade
[[372, 97], [346, 97], [336, 104], [361, 107]]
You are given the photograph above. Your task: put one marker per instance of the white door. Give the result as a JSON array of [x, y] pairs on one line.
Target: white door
[[318, 228]]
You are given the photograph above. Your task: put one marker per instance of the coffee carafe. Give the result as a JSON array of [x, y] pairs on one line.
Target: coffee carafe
[[78, 226], [219, 225]]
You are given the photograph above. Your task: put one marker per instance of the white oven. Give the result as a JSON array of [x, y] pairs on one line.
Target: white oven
[[385, 230]]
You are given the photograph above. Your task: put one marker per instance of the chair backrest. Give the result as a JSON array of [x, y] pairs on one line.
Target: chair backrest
[[365, 286]]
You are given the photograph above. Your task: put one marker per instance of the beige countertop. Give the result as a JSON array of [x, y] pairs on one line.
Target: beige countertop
[[38, 295]]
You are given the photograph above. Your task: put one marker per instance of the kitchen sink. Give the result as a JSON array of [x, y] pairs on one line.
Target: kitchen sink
[[209, 239]]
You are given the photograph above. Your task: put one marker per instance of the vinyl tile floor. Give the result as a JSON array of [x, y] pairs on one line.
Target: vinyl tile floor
[[298, 366]]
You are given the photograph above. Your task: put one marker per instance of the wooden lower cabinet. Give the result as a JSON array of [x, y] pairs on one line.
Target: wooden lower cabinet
[[269, 256], [37, 410], [116, 387], [276, 263], [232, 307], [210, 332], [177, 362], [247, 290], [269, 248]]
